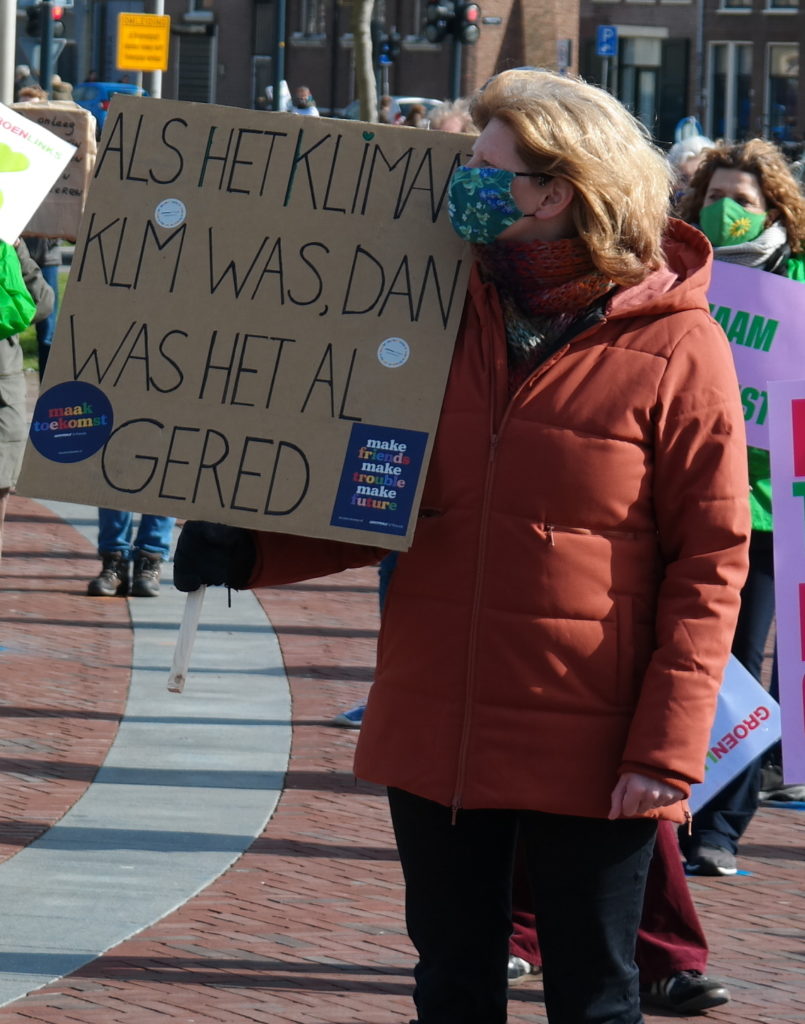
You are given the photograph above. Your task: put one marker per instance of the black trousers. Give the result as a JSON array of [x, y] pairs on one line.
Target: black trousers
[[587, 876]]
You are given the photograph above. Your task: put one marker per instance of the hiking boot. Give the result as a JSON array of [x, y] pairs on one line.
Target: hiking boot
[[113, 580], [147, 567], [685, 992]]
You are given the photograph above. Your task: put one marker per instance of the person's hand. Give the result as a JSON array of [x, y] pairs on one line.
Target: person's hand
[[635, 794], [213, 554]]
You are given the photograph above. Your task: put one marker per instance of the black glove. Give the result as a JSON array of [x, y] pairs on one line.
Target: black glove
[[213, 554]]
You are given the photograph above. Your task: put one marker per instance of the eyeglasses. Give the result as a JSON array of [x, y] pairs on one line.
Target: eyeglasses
[[544, 178]]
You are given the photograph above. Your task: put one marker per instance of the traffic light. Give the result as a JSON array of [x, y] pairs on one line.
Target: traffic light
[[34, 21], [386, 46], [439, 20], [33, 24], [467, 24], [56, 14], [394, 45]]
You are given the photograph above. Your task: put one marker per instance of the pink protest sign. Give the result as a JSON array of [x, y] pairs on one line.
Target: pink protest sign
[[762, 316], [787, 434]]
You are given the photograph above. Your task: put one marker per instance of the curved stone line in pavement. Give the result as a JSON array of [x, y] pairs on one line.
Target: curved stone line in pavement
[[188, 784]]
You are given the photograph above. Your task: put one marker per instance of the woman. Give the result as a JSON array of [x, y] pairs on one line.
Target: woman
[[684, 157], [746, 200], [553, 641]]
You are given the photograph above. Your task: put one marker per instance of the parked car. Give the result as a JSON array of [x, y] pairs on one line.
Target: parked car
[[96, 97], [400, 107]]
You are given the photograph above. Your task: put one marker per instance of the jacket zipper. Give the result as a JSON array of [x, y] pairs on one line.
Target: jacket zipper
[[494, 440], [552, 528]]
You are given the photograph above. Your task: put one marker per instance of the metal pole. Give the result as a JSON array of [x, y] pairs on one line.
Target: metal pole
[[46, 48], [605, 72], [279, 63], [334, 47], [8, 36], [153, 79], [455, 70]]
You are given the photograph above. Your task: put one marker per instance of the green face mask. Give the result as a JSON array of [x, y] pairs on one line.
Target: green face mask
[[726, 222]]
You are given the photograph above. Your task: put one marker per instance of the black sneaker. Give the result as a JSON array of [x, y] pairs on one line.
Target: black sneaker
[[147, 569], [711, 860], [113, 579], [685, 992]]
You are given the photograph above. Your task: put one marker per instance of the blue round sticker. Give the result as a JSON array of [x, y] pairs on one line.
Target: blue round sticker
[[71, 422]]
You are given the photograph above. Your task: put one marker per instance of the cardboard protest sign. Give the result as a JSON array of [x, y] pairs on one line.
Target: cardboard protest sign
[[788, 487], [258, 324], [762, 315], [747, 723], [60, 212], [31, 159]]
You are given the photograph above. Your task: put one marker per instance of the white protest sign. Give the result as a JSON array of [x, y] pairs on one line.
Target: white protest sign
[[762, 315], [747, 723], [31, 159], [787, 430]]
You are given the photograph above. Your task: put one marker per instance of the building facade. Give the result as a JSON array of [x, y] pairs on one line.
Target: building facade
[[731, 64]]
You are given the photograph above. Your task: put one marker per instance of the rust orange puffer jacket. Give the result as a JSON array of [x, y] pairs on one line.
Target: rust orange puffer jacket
[[567, 607]]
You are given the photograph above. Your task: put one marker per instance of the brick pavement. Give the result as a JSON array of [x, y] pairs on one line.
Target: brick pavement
[[306, 926]]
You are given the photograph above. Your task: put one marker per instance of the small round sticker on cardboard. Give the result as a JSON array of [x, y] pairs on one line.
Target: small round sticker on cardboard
[[393, 352], [170, 213]]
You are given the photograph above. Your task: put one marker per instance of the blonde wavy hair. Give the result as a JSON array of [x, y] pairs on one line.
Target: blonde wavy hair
[[567, 128], [769, 166]]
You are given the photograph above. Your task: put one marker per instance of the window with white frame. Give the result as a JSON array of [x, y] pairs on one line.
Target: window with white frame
[[730, 90], [782, 84], [787, 6], [735, 5]]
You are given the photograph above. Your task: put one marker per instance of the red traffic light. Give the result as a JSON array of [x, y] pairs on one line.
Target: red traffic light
[[57, 13], [468, 28]]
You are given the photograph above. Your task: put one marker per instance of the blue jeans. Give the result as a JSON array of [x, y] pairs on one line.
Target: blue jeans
[[587, 878], [46, 328], [116, 528], [724, 819]]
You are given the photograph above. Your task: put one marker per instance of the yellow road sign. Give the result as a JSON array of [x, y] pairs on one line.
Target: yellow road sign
[[143, 41]]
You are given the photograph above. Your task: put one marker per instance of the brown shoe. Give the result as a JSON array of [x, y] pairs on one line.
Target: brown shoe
[[147, 569], [113, 580]]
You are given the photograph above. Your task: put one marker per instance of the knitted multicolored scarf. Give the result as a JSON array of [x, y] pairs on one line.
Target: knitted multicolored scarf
[[544, 287]]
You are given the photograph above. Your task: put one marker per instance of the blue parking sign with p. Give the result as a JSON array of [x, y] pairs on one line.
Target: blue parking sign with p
[[606, 41]]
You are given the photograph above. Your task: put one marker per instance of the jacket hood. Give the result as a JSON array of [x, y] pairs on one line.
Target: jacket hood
[[681, 284]]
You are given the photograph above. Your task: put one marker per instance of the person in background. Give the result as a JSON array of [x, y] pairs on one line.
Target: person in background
[[671, 952], [130, 563], [61, 90], [23, 79], [416, 117], [554, 639], [21, 272], [385, 110], [748, 204], [453, 117], [47, 254], [302, 102], [684, 157]]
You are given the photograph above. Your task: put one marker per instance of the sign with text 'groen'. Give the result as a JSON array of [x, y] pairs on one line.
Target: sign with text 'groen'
[[762, 315], [258, 324]]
